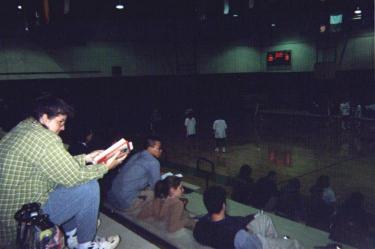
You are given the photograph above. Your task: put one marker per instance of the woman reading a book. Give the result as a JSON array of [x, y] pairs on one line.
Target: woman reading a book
[[168, 206], [35, 167]]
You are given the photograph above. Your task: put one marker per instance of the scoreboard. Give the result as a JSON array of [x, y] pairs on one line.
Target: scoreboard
[[279, 58]]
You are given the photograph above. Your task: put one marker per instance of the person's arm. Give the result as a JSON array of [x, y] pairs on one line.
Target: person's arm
[[249, 218], [62, 168], [178, 218], [147, 211], [154, 171]]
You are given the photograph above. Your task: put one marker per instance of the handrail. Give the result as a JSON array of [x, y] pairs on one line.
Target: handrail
[[207, 174]]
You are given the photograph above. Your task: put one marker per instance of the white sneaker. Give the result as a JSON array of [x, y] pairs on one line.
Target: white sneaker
[[224, 150], [72, 241], [110, 242]]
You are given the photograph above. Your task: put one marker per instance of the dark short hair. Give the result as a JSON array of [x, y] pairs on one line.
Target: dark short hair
[[51, 106], [323, 181], [271, 173], [245, 171], [214, 198], [83, 132], [150, 141], [355, 200], [162, 187]]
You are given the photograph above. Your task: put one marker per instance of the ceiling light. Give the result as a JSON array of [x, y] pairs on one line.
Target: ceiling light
[[358, 11], [273, 25], [357, 14], [235, 15], [120, 5], [19, 6]]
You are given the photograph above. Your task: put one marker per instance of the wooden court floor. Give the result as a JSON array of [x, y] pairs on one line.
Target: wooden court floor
[[293, 148]]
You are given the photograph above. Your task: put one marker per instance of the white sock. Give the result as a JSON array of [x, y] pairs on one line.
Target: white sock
[[71, 233], [71, 239], [84, 245]]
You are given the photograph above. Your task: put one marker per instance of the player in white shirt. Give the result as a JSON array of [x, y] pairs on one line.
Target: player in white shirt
[[220, 127], [190, 124], [345, 115]]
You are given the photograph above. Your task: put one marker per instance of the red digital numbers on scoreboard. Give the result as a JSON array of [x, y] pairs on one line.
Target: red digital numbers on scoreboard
[[279, 58]]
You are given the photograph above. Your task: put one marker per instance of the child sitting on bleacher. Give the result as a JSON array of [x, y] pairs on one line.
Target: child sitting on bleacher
[[167, 205]]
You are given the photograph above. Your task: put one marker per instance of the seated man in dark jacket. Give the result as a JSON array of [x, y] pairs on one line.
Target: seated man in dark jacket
[[243, 185], [266, 192], [221, 231], [352, 224], [218, 230]]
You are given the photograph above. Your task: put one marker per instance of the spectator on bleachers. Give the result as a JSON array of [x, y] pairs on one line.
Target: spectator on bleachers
[[320, 209], [167, 206], [82, 145], [243, 185], [219, 230], [351, 224], [137, 176], [265, 192], [324, 183], [290, 202], [36, 167]]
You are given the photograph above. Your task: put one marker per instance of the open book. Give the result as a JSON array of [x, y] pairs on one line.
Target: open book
[[120, 145]]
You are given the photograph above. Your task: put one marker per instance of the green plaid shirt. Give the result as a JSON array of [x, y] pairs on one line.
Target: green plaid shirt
[[33, 161]]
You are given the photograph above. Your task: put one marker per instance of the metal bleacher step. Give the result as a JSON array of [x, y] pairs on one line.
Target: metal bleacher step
[[129, 239]]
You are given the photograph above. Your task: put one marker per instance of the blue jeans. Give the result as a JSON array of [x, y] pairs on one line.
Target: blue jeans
[[75, 207], [246, 240]]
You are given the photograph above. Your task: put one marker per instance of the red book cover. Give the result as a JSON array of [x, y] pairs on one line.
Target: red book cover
[[121, 144]]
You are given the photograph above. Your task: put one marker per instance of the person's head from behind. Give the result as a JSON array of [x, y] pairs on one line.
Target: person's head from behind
[[214, 199], [219, 116], [52, 113], [272, 175], [323, 181], [245, 171], [171, 186], [153, 146], [85, 134], [356, 200], [89, 136], [295, 184]]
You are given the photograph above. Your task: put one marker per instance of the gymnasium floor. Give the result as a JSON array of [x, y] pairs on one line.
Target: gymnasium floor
[[293, 145]]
